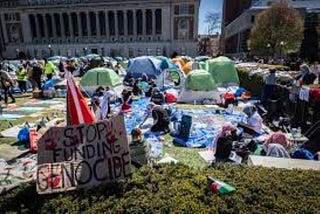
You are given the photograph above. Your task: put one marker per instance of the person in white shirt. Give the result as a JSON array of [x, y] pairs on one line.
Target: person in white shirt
[[254, 121]]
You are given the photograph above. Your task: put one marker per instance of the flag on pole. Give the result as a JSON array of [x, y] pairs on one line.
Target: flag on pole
[[78, 109]]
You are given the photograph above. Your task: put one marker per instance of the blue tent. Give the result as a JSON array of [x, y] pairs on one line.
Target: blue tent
[[148, 65]]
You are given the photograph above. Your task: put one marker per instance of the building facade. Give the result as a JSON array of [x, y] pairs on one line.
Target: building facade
[[209, 45], [236, 29], [129, 28]]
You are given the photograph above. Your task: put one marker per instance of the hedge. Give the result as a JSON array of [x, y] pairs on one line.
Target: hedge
[[254, 83], [180, 189]]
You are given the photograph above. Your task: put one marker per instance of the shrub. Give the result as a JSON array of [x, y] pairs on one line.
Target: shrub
[[180, 189]]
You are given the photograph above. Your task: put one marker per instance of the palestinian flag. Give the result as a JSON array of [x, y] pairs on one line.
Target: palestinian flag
[[220, 187]]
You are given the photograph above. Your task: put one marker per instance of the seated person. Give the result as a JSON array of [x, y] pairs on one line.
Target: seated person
[[161, 120], [152, 84], [157, 97], [144, 82], [126, 96], [277, 150], [136, 90], [253, 125], [137, 148], [224, 142], [278, 138], [99, 91]]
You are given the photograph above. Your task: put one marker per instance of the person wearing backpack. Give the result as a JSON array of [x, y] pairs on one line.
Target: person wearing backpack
[[5, 83]]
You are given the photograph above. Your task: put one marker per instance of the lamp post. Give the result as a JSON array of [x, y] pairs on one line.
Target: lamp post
[[281, 45], [49, 47], [17, 53], [268, 46]]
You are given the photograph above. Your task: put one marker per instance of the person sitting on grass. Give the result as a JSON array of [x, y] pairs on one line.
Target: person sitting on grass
[[137, 148], [136, 90], [253, 125], [126, 100], [157, 97], [281, 149], [161, 120], [224, 140]]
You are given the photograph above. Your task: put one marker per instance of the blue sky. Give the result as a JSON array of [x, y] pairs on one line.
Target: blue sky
[[207, 6]]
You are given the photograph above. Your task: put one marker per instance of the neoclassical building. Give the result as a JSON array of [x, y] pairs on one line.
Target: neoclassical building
[[41, 28]]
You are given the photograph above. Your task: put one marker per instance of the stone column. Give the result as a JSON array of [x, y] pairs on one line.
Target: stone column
[[79, 25], [88, 23], [26, 29], [62, 26], [70, 25], [125, 23], [5, 35], [144, 27], [116, 23], [54, 29], [98, 24]]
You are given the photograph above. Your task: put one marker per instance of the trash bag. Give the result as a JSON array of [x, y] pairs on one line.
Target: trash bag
[[24, 136], [302, 154]]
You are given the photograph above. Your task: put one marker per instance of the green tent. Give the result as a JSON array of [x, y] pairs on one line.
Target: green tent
[[101, 77], [200, 80], [222, 70]]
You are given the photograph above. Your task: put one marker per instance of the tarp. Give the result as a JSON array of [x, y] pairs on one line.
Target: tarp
[[148, 65], [223, 71], [200, 80], [101, 77]]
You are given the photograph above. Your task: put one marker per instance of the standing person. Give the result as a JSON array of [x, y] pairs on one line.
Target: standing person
[[36, 75], [270, 82], [6, 82], [22, 78], [49, 69], [315, 69]]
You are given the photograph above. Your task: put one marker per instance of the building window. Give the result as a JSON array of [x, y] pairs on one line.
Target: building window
[[176, 10], [149, 21], [111, 20], [130, 22], [158, 21], [139, 22], [120, 23], [102, 23], [184, 9], [183, 29]]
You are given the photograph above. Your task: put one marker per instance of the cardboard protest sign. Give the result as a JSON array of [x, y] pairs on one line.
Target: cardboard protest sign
[[82, 156]]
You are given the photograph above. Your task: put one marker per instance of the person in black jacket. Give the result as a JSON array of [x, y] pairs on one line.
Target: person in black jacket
[[157, 97]]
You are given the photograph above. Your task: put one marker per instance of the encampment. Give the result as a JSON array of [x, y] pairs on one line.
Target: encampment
[[199, 86], [223, 71], [100, 77], [146, 65]]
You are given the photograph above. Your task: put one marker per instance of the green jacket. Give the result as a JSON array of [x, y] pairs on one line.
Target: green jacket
[[49, 68], [21, 74]]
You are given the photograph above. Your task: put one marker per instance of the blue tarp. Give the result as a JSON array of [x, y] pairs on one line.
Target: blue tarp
[[201, 134], [148, 65]]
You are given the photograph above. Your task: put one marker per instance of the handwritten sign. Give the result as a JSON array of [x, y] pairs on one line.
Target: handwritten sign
[[82, 156]]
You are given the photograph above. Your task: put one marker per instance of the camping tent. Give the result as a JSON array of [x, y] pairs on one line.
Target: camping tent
[[100, 77], [146, 65], [223, 71], [189, 66], [199, 85]]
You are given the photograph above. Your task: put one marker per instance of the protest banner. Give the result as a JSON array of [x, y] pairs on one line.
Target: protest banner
[[82, 156]]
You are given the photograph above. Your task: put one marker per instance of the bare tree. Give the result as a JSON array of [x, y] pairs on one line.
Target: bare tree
[[213, 21]]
